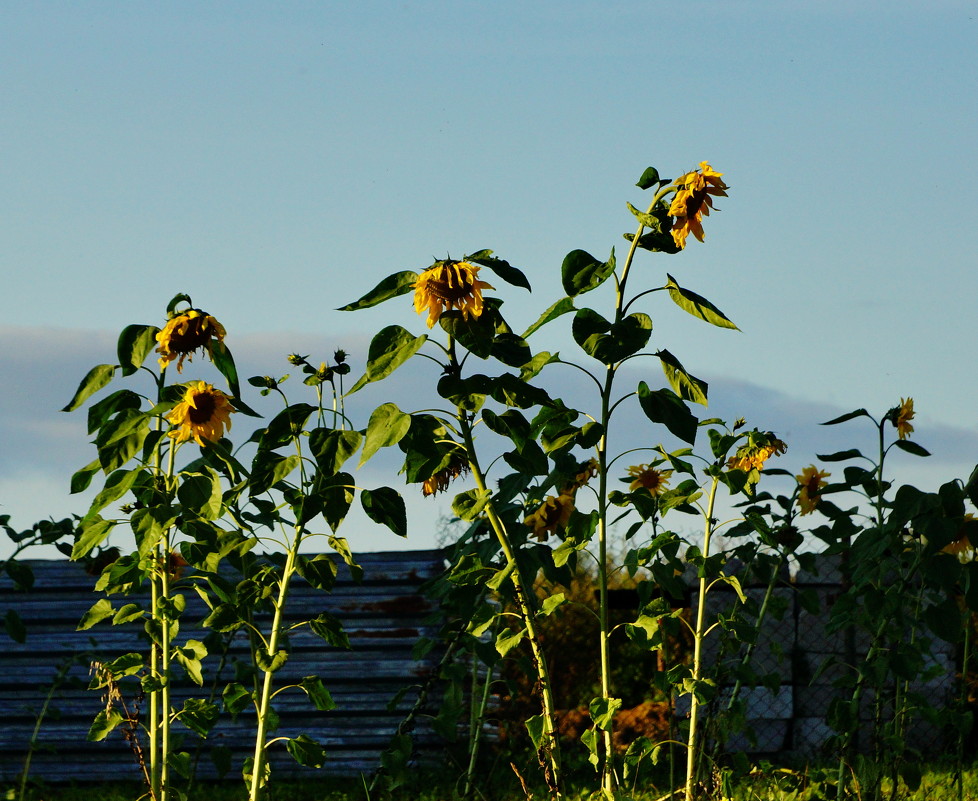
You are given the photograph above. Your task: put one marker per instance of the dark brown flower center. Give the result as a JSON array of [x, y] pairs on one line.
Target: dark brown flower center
[[197, 335], [451, 286], [205, 405]]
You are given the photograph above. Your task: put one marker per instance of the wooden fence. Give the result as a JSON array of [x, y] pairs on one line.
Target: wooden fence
[[384, 616]]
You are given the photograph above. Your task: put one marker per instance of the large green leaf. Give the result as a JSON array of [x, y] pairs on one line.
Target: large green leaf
[[332, 447], [561, 307], [318, 694], [336, 495], [149, 524], [94, 380], [688, 387], [117, 484], [306, 751], [581, 272], [610, 343], [389, 349], [666, 407], [91, 534], [99, 412], [510, 274], [385, 506], [386, 427], [135, 344], [201, 493], [697, 305], [121, 437], [224, 362], [391, 287]]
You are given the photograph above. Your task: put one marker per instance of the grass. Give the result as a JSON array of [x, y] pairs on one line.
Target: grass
[[939, 783]]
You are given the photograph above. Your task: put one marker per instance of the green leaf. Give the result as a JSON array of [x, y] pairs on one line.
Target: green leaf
[[180, 763], [269, 469], [688, 387], [199, 716], [116, 485], [507, 640], [510, 274], [135, 344], [342, 547], [838, 456], [82, 478], [101, 610], [391, 287], [697, 305], [664, 406], [911, 447], [330, 629], [224, 362], [121, 437], [127, 614], [511, 350], [387, 426], [270, 663], [534, 727], [318, 694], [94, 380], [468, 505], [102, 726], [610, 342], [510, 390], [319, 572], [847, 416], [581, 272], [550, 603], [14, 626], [236, 697], [336, 494], [91, 534], [332, 447], [734, 582], [149, 524], [389, 349], [111, 404], [649, 178], [285, 426], [602, 711], [223, 618], [561, 307], [644, 217], [201, 493], [306, 751], [189, 656], [385, 506]]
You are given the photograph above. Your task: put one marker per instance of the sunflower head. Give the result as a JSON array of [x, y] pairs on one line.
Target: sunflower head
[[552, 514], [585, 472], [439, 481], [449, 285], [186, 333], [901, 416], [203, 414], [962, 546], [693, 200], [643, 476], [760, 447], [810, 484]]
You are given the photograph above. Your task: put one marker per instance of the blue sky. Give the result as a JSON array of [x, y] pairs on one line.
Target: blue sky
[[274, 160]]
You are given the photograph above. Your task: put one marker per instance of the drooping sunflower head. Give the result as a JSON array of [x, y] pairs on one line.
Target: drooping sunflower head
[[962, 546], [449, 285], [551, 515], [810, 484], [643, 476], [584, 473], [440, 480], [185, 333], [203, 414], [760, 447], [693, 200], [901, 416]]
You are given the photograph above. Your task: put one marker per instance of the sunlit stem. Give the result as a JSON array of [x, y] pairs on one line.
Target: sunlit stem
[[265, 700], [264, 703], [693, 744], [551, 741], [153, 725], [164, 618]]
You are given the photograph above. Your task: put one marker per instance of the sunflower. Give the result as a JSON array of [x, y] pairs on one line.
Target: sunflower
[[644, 476], [203, 413], [811, 482], [585, 472], [962, 545], [693, 201], [756, 451], [902, 417], [446, 285], [439, 482], [552, 514], [185, 333]]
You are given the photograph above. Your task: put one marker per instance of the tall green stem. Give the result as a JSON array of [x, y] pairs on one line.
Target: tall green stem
[[693, 744], [551, 740], [264, 704]]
